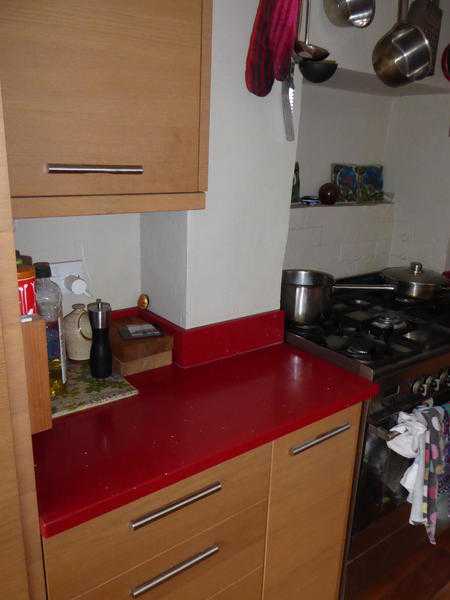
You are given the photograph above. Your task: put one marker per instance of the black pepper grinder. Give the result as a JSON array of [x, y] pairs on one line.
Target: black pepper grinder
[[101, 356]]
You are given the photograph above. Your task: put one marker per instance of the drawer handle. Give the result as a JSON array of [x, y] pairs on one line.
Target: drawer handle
[[174, 571], [55, 168], [153, 516], [319, 439]]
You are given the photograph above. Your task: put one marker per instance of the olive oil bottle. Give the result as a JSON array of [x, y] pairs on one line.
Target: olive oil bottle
[[49, 303]]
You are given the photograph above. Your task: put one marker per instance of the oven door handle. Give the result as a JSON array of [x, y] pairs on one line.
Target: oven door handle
[[383, 433]]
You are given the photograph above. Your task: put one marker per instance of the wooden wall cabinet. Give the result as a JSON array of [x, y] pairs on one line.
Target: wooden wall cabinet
[[311, 483], [106, 83]]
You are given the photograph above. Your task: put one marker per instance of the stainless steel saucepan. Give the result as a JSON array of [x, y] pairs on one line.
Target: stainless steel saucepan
[[404, 54], [306, 295], [359, 13]]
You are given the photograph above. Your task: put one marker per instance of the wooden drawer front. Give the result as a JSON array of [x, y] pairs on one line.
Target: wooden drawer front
[[109, 83], [113, 547], [308, 508], [240, 541], [249, 588]]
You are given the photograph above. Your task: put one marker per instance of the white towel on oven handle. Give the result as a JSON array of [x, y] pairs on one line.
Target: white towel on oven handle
[[410, 429]]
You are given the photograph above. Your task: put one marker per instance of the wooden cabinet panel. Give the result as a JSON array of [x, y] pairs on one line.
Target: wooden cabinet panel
[[248, 588], [113, 547], [308, 510], [240, 541], [105, 83], [13, 573], [19, 541], [36, 365]]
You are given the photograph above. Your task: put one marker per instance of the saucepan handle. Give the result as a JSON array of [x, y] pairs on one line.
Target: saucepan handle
[[386, 287]]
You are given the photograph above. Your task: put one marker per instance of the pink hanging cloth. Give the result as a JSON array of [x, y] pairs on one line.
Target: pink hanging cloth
[[271, 44]]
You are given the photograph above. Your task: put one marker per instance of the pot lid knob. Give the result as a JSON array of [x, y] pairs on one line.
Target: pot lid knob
[[416, 268]]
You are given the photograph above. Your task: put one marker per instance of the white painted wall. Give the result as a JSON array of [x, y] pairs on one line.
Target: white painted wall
[[111, 247], [418, 154], [164, 263], [338, 126], [235, 247]]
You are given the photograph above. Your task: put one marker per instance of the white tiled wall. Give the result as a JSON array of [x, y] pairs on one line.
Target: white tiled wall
[[339, 239]]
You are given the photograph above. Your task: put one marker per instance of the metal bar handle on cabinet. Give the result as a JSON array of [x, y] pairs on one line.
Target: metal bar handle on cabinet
[[56, 168], [319, 439], [174, 571], [174, 506]]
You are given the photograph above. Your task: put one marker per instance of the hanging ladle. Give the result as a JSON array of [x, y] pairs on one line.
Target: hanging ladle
[[305, 50], [315, 70]]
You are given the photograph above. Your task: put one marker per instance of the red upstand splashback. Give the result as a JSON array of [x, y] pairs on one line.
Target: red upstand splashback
[[202, 345]]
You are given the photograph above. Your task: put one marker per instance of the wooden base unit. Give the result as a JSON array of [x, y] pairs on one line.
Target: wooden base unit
[[248, 588], [92, 553], [311, 483], [283, 506], [198, 568]]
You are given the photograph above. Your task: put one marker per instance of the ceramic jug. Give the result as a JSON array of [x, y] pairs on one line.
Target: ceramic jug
[[78, 333]]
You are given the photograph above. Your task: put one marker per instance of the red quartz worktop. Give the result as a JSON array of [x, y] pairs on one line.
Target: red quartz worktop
[[182, 422]]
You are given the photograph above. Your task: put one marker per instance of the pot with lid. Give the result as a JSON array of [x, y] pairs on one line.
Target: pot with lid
[[415, 281]]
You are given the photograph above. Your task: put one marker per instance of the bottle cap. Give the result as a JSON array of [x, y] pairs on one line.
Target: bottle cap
[[42, 270]]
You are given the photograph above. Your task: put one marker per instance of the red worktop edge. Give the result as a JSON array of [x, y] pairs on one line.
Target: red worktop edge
[[208, 343]]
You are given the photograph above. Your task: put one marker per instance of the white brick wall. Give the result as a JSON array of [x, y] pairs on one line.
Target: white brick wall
[[342, 240]]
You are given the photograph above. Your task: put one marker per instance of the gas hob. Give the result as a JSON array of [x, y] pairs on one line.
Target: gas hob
[[376, 333]]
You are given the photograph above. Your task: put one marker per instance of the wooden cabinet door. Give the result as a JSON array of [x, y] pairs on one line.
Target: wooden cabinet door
[[308, 508], [102, 83]]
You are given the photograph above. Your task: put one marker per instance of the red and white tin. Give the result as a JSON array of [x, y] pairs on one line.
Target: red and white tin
[[26, 280]]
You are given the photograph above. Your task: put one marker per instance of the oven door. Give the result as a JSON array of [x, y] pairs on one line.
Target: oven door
[[379, 489]]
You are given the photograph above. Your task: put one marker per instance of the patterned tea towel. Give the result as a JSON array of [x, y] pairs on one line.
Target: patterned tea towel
[[83, 391], [435, 458], [424, 434], [444, 481]]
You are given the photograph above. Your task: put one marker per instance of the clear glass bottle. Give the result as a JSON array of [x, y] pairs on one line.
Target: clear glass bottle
[[49, 305]]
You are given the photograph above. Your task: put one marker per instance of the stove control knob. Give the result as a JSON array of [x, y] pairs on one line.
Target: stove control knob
[[439, 381], [421, 387]]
